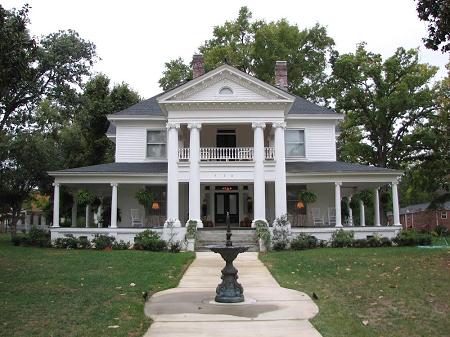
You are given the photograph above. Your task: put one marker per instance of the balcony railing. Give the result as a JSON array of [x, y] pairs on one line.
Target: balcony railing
[[226, 153]]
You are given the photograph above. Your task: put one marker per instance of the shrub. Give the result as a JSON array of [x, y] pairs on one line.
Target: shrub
[[342, 238], [374, 241], [360, 243], [263, 232], [67, 242], [441, 230], [280, 237], [36, 237], [149, 240], [304, 241], [191, 229], [84, 243], [175, 247], [120, 245], [103, 241], [386, 242], [412, 238]]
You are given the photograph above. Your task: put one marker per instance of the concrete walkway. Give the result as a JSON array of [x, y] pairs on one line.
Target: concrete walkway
[[268, 310]]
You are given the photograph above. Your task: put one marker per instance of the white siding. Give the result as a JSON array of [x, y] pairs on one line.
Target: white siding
[[211, 93], [320, 139]]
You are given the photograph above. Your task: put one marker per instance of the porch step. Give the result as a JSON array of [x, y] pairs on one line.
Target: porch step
[[240, 237]]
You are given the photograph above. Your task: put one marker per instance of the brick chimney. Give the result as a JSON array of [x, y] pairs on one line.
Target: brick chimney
[[281, 80], [198, 66]]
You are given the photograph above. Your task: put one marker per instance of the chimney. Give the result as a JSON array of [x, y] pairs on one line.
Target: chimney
[[281, 80], [198, 66]]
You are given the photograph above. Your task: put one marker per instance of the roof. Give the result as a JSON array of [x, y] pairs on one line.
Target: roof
[[303, 106], [148, 106], [333, 166], [420, 208], [119, 168]]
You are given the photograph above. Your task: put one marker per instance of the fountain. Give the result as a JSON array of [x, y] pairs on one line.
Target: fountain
[[229, 291]]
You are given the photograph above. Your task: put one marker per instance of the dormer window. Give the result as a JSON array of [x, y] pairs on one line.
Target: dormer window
[[225, 91]]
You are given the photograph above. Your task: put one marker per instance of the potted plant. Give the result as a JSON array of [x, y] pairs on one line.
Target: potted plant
[[144, 198], [307, 197], [191, 235], [264, 236]]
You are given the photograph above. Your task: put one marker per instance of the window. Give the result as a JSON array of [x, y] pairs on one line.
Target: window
[[295, 143], [444, 215], [225, 91], [156, 143]]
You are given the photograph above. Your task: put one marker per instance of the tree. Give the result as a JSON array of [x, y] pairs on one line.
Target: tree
[[30, 69], [384, 101], [254, 46], [437, 13]]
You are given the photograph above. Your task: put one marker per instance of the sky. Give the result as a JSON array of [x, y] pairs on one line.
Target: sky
[[135, 38]]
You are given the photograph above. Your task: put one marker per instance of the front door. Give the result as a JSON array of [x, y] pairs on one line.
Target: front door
[[226, 138], [226, 202]]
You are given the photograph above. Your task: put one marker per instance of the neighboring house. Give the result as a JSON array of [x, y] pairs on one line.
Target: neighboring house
[[226, 142], [420, 217]]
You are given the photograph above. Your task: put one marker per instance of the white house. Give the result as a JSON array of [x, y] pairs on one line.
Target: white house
[[226, 142]]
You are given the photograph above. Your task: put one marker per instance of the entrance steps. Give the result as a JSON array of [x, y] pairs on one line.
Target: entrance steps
[[217, 236]]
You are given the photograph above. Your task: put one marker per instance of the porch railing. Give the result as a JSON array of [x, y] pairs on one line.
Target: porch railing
[[226, 153]]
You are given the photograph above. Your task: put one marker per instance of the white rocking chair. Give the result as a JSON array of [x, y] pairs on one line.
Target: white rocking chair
[[136, 218], [317, 218], [331, 216]]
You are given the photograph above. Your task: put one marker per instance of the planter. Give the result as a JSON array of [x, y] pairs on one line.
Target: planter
[[190, 246], [262, 246]]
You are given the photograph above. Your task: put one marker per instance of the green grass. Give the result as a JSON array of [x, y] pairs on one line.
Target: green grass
[[399, 291], [52, 292]]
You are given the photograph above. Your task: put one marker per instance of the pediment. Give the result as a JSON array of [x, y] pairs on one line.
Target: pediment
[[225, 84]]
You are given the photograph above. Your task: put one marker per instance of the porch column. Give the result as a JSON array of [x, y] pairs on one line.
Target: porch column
[[56, 205], [88, 215], [280, 170], [362, 214], [74, 210], [395, 204], [114, 205], [350, 211], [172, 173], [194, 176], [259, 188], [377, 207], [337, 203]]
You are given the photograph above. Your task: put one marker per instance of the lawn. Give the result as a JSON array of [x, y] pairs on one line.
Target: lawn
[[52, 292], [390, 292]]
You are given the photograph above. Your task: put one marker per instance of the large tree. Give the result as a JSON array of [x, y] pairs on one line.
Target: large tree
[[437, 14], [253, 46], [32, 69]]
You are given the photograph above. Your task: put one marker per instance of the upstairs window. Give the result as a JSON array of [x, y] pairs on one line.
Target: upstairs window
[[295, 143], [156, 143]]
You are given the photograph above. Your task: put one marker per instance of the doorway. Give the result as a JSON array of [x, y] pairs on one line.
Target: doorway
[[226, 138], [226, 202]]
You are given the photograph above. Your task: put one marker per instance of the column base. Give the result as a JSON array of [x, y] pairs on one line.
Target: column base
[[198, 221], [255, 220], [377, 225], [175, 221], [339, 226]]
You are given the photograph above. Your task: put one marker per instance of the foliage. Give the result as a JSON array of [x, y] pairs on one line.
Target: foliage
[[281, 232], [304, 241], [175, 247], [67, 242], [410, 237], [342, 238], [120, 245], [84, 243], [307, 197], [441, 231], [253, 46], [263, 232], [144, 197], [85, 197], [149, 240], [101, 242], [437, 14], [191, 229], [35, 237]]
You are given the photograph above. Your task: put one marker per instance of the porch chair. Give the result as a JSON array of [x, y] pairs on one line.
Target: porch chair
[[331, 216], [317, 218], [136, 218]]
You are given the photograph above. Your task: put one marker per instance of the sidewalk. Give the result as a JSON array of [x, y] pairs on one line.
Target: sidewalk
[[268, 310]]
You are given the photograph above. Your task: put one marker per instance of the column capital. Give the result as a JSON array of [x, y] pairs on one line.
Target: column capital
[[338, 183], [114, 184], [281, 125], [194, 125], [261, 125], [56, 184], [395, 182], [172, 125]]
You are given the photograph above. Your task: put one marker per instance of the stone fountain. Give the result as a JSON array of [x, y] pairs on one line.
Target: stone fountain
[[229, 290]]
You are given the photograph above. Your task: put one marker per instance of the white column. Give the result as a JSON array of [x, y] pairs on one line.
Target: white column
[[99, 213], [395, 206], [74, 210], [56, 205], [337, 203], [350, 211], [280, 170], [114, 206], [362, 214], [194, 173], [376, 206], [88, 215], [172, 173], [259, 188]]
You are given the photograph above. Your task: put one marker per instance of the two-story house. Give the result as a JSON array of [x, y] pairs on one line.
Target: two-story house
[[225, 142]]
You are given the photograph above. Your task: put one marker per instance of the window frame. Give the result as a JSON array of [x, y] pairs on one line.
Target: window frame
[[444, 215], [147, 130], [304, 143]]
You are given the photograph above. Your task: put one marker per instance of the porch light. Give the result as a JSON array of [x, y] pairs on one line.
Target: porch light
[[155, 205], [300, 205]]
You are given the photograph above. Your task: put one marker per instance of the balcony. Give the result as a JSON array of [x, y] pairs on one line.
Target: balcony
[[226, 153]]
